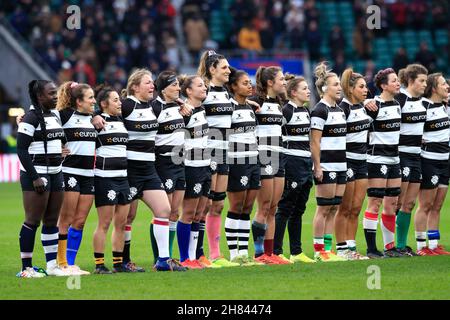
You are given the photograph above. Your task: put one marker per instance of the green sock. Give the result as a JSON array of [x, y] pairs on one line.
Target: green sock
[[172, 234], [403, 220], [327, 240], [154, 244]]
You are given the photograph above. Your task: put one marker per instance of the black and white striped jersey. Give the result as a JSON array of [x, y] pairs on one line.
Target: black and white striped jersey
[[358, 123], [196, 141], [436, 131], [30, 132], [268, 125], [384, 132], [296, 130], [414, 115], [111, 152], [170, 136], [243, 143], [331, 121], [81, 136], [142, 125], [218, 109]]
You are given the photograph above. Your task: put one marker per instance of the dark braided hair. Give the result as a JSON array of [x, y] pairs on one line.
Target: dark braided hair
[[36, 87]]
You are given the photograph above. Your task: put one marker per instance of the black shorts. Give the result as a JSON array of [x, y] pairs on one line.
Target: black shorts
[[356, 169], [435, 173], [198, 182], [77, 183], [111, 191], [298, 170], [384, 171], [219, 163], [244, 177], [52, 182], [272, 164], [141, 177], [338, 177], [172, 175], [411, 166]]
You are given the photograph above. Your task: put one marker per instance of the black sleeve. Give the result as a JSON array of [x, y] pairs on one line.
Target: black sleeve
[[287, 112], [401, 98], [65, 115], [127, 107], [24, 139], [374, 114], [157, 107], [346, 108]]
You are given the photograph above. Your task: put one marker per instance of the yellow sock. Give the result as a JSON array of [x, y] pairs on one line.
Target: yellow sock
[[62, 251]]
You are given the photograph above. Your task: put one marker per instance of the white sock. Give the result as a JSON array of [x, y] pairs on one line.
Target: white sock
[[161, 232], [421, 238]]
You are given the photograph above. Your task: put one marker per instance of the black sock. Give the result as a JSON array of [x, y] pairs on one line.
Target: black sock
[[126, 252], [117, 258], [99, 259], [280, 227], [371, 240], [201, 234], [26, 242]]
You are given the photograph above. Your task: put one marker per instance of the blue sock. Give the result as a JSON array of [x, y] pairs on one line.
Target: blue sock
[[259, 231], [183, 236], [49, 238], [74, 237]]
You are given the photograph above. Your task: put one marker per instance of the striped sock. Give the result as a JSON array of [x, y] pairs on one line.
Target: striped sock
[[244, 234], [231, 232], [26, 242], [201, 234], [388, 229], [370, 223], [183, 236], [126, 247], [61, 256], [351, 244], [49, 238], [172, 233], [328, 241], [259, 232], [318, 244], [193, 241], [161, 234], [117, 259], [74, 237], [433, 239], [421, 238], [99, 259], [341, 246]]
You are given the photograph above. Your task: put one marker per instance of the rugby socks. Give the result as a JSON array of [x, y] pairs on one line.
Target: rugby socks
[[193, 239], [183, 236], [421, 238], [433, 239], [318, 244], [201, 234], [172, 233], [388, 229], [341, 246], [126, 247], [213, 224], [153, 242], [243, 234], [161, 235], [370, 223], [74, 237], [328, 241], [351, 244], [117, 259], [26, 242], [49, 238], [268, 247], [259, 232], [231, 232], [403, 221], [62, 250], [99, 259]]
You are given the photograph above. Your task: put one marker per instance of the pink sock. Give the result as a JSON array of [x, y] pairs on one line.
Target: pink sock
[[213, 224]]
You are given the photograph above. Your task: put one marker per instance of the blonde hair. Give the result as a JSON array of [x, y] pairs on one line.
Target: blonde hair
[[68, 93], [134, 80], [208, 59], [349, 80], [292, 83], [322, 73]]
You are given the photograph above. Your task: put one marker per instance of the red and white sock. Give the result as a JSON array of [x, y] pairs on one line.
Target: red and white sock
[[161, 232], [388, 229]]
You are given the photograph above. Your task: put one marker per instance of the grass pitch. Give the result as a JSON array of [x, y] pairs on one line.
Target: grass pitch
[[407, 278]]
